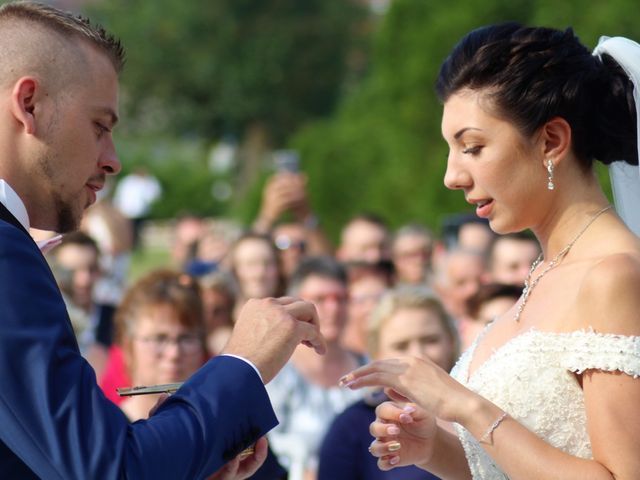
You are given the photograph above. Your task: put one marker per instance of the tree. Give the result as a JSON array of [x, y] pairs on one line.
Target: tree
[[383, 151], [219, 67]]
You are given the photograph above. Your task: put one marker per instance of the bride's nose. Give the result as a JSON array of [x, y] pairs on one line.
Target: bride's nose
[[456, 178]]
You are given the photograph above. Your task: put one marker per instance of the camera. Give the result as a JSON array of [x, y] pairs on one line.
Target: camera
[[286, 161]]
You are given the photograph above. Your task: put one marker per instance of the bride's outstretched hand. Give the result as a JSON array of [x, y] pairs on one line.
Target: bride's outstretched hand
[[418, 380], [403, 435]]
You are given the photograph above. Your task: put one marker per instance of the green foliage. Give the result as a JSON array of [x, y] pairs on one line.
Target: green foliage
[[213, 68], [383, 151], [207, 68]]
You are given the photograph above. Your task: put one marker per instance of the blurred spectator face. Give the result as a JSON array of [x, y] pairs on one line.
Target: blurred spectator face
[[330, 298], [290, 239], [475, 236], [212, 247], [217, 308], [79, 266], [411, 257], [511, 260], [364, 241], [464, 273], [492, 309], [417, 332], [364, 294], [218, 317], [256, 268], [492, 301], [162, 350], [218, 305], [186, 233]]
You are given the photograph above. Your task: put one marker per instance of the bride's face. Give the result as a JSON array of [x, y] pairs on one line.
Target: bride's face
[[497, 168]]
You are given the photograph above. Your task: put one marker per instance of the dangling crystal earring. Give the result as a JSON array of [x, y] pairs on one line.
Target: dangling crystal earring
[[550, 185]]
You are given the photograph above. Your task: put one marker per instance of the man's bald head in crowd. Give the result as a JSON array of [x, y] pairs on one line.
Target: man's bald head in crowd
[[38, 40]]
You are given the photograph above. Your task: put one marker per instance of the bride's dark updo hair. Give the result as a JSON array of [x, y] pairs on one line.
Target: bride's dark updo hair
[[531, 75]]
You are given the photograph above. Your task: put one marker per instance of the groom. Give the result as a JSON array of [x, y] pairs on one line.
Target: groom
[[58, 106]]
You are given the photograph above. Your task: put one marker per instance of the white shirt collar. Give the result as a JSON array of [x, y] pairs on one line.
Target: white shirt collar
[[10, 199]]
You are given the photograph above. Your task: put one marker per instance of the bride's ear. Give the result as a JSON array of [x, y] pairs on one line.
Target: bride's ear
[[555, 136]]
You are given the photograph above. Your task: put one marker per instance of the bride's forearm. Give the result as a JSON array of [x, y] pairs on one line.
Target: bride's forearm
[[448, 460], [521, 454]]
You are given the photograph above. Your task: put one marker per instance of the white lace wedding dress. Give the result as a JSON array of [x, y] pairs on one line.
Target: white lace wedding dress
[[531, 377]]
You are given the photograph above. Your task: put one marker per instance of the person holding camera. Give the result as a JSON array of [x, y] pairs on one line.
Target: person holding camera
[[285, 213]]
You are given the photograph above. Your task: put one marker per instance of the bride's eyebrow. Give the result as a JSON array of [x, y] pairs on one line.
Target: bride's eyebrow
[[461, 132]]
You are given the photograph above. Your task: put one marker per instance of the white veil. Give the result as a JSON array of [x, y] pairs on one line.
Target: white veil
[[625, 178]]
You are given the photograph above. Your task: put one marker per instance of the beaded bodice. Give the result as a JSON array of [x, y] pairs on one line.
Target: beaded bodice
[[531, 377]]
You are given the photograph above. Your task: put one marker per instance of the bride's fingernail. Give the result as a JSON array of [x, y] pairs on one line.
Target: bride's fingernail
[[346, 381], [394, 460], [406, 418], [393, 430], [348, 384], [394, 447], [409, 409]]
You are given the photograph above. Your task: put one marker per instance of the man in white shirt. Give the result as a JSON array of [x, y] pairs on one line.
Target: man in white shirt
[[134, 196]]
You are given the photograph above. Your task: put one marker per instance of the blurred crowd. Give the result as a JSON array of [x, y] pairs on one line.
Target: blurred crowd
[[379, 294]]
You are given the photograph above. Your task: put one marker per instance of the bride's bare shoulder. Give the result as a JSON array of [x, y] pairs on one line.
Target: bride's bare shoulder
[[609, 294]]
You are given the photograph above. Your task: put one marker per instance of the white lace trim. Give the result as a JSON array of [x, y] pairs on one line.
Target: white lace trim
[[587, 350], [532, 378]]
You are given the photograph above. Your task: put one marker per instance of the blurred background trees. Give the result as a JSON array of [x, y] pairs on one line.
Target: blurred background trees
[[251, 72], [350, 88]]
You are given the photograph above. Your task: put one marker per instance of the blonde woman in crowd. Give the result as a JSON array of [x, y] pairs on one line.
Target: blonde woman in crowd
[[408, 320]]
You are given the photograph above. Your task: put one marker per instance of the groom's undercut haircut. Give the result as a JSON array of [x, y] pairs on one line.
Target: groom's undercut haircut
[[37, 39]]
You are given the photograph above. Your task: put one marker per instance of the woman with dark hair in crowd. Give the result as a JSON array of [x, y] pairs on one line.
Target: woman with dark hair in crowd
[[367, 282], [490, 301], [253, 261], [550, 389], [218, 303]]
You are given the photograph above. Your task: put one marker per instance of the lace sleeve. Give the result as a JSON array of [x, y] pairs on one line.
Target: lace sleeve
[[587, 350]]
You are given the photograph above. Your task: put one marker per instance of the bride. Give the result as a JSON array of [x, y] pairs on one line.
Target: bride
[[549, 389]]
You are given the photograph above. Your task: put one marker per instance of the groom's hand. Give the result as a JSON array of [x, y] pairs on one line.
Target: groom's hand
[[268, 331]]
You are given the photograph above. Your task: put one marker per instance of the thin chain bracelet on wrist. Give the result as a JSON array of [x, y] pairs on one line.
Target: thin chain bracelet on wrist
[[492, 428]]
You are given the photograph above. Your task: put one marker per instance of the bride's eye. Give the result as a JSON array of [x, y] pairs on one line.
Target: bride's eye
[[473, 150]]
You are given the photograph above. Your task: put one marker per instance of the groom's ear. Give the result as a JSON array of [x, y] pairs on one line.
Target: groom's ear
[[23, 103]]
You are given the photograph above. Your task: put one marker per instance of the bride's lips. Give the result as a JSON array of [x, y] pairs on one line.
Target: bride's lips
[[483, 207]]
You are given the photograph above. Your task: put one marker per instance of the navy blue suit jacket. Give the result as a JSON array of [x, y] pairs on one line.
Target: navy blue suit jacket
[[55, 423]]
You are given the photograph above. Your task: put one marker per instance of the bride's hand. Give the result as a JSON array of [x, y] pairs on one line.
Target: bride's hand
[[418, 380], [404, 435]]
